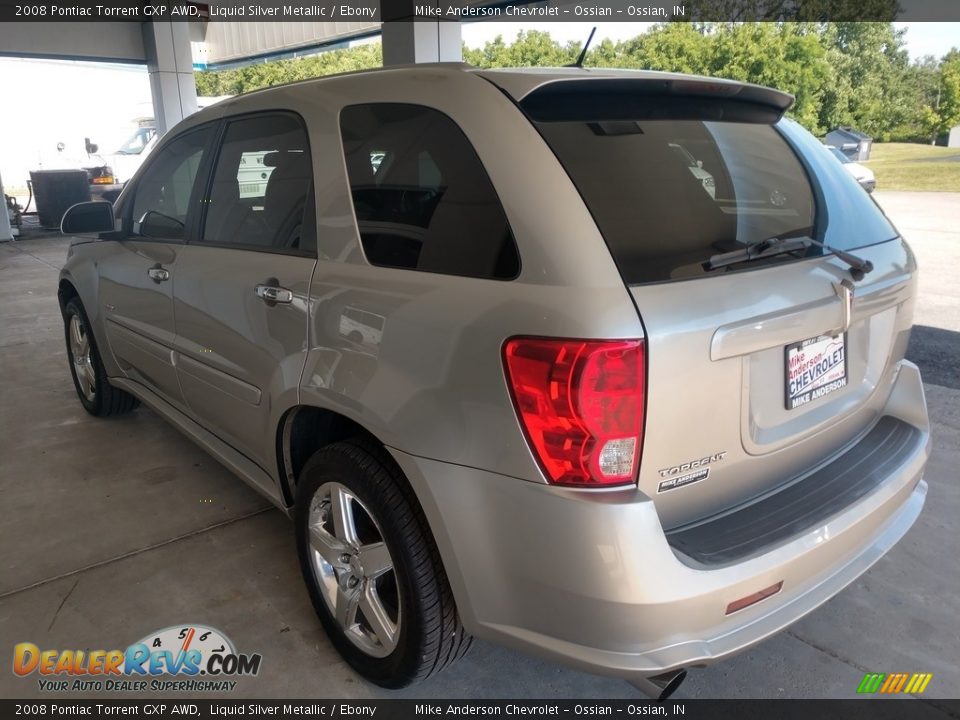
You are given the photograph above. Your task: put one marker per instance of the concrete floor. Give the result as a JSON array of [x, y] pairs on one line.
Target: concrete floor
[[114, 528]]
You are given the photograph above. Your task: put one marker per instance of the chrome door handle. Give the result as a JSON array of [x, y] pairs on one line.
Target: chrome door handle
[[271, 294], [158, 274]]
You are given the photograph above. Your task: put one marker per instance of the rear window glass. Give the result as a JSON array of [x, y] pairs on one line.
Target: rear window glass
[[669, 194], [674, 178]]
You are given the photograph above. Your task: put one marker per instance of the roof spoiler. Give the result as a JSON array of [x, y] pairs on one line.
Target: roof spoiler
[[642, 98]]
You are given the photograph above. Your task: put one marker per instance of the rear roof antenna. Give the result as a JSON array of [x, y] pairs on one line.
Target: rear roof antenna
[[583, 53]]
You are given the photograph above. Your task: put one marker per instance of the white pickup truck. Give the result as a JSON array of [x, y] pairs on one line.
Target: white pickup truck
[[107, 178]]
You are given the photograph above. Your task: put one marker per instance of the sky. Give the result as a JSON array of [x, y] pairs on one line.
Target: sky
[[475, 34], [105, 100], [930, 38], [63, 101]]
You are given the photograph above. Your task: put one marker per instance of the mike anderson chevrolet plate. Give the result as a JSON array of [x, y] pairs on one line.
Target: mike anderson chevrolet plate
[[815, 367]]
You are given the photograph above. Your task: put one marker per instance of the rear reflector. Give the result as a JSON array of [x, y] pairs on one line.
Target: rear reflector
[[580, 404], [753, 599]]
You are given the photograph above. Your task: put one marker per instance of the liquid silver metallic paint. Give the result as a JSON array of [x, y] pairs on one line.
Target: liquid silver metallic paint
[[586, 578]]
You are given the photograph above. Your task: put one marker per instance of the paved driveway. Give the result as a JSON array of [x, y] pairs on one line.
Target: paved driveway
[[112, 529]]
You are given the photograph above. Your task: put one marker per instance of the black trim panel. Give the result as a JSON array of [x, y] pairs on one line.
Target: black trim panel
[[753, 528]]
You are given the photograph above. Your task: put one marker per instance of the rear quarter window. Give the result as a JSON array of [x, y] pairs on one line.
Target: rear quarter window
[[422, 198]]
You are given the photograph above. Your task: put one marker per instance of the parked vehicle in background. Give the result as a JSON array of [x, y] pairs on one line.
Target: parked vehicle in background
[[103, 180], [696, 169], [253, 175], [861, 173], [103, 183], [135, 149], [513, 373], [127, 159], [109, 171], [376, 157]]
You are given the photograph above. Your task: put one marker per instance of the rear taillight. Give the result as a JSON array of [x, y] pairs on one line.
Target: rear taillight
[[580, 403]]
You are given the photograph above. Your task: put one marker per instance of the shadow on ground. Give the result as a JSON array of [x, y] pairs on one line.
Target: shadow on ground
[[937, 353]]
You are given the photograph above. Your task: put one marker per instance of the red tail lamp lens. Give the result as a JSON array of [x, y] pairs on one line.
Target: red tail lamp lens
[[580, 403]]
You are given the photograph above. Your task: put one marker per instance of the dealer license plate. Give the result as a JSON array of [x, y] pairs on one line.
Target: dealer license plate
[[815, 368]]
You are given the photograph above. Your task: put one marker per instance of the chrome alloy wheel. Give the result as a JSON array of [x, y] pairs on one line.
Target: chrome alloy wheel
[[353, 569], [81, 353]]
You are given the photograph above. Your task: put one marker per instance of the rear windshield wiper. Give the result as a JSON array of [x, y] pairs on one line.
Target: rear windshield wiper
[[780, 246]]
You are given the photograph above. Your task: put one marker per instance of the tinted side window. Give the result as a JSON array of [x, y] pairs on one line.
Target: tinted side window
[[422, 198], [163, 192], [260, 185]]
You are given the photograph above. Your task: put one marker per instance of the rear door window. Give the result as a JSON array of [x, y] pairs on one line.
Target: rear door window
[[260, 186], [422, 198]]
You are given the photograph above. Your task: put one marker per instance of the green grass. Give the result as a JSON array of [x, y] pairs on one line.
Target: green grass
[[903, 166]]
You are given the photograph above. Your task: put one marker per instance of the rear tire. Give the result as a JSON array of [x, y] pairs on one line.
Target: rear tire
[[386, 566], [96, 394]]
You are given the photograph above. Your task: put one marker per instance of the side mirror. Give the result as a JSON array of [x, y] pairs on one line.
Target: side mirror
[[88, 218]]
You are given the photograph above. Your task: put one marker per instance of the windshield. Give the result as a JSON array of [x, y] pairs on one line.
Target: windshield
[[669, 194], [840, 156], [137, 142]]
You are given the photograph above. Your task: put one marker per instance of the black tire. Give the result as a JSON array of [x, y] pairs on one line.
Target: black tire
[[105, 399], [430, 635]]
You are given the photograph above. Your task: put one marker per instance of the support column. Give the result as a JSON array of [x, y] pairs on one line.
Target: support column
[[406, 42], [170, 66], [6, 233]]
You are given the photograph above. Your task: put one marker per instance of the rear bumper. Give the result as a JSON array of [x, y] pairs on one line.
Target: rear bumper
[[589, 579]]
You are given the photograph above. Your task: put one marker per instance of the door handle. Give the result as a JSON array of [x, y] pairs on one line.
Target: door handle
[[271, 294], [158, 274]]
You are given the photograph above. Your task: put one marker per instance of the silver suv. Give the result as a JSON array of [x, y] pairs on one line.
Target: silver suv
[[511, 367]]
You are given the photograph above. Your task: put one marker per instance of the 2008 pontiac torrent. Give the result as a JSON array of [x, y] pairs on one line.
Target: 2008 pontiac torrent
[[605, 366]]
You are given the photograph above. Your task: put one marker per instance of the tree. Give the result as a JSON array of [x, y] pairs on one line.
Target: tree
[[531, 49], [944, 113], [841, 73], [868, 89], [792, 10], [788, 56], [260, 75], [674, 47]]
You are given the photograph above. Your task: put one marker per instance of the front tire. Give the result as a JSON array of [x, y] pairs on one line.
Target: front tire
[[96, 394], [373, 572]]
